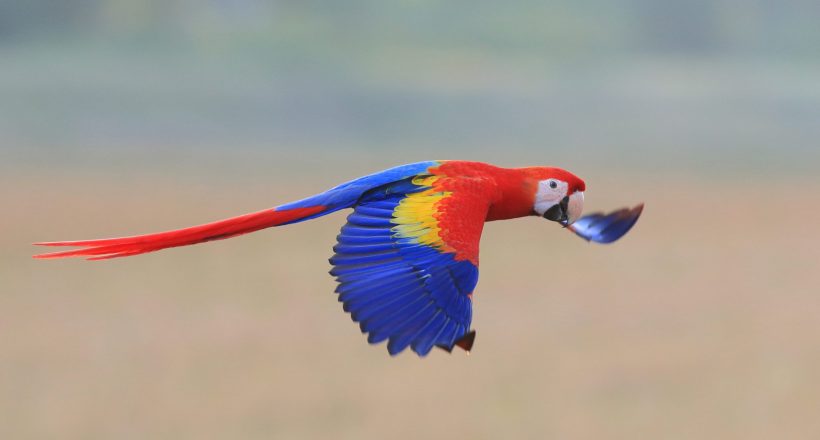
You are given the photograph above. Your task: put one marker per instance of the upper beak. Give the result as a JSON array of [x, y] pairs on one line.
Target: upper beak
[[568, 210]]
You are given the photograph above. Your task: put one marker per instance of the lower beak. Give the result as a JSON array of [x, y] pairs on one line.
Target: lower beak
[[558, 212], [567, 210]]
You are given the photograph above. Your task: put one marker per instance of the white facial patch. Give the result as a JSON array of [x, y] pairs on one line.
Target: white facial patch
[[550, 192]]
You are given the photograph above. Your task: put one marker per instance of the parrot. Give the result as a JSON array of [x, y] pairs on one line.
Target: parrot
[[406, 261]]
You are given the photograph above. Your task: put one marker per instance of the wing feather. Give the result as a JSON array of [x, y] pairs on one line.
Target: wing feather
[[607, 228], [398, 276]]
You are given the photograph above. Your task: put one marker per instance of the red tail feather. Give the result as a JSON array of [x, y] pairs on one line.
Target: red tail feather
[[126, 246]]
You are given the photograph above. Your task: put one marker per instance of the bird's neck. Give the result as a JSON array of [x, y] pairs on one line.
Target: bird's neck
[[510, 191], [515, 195]]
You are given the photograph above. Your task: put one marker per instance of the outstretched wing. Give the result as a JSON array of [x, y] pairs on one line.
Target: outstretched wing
[[606, 228], [407, 262]]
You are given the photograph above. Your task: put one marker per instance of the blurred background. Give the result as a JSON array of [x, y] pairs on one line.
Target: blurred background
[[120, 117]]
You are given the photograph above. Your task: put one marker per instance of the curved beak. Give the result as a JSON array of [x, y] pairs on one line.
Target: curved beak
[[567, 210], [575, 208]]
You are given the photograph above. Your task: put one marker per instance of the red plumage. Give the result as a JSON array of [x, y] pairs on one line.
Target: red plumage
[[106, 248]]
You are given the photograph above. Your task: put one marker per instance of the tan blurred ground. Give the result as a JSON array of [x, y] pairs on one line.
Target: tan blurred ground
[[703, 323]]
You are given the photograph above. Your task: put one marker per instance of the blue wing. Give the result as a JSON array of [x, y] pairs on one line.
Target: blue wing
[[396, 288], [606, 228]]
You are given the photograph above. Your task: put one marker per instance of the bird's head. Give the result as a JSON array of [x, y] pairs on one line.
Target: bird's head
[[559, 196]]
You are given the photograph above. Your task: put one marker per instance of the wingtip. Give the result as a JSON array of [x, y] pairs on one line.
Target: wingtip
[[465, 343]]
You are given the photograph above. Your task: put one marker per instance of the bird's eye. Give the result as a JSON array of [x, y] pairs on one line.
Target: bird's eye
[[553, 184]]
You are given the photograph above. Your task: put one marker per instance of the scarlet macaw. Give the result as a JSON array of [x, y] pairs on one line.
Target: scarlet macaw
[[407, 259]]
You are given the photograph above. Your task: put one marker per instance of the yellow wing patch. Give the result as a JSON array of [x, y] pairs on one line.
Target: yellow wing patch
[[415, 215]]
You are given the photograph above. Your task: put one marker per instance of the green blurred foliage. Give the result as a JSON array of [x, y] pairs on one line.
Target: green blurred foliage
[[698, 26], [631, 82]]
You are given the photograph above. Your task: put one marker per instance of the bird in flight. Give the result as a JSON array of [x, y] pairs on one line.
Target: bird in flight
[[406, 261]]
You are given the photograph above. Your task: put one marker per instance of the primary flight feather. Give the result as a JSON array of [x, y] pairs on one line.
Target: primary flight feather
[[407, 259]]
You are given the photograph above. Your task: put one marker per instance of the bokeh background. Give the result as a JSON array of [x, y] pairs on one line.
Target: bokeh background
[[123, 116]]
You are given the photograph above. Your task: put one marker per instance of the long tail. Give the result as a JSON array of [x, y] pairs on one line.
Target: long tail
[[106, 248], [340, 197]]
